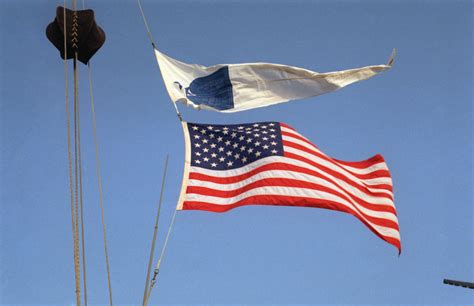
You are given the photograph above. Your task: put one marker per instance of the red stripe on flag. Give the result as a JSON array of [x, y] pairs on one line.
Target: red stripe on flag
[[282, 166], [364, 187], [285, 182], [288, 201], [288, 167], [371, 175], [356, 164], [286, 126]]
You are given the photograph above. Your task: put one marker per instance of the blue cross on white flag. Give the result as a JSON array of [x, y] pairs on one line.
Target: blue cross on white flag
[[237, 87]]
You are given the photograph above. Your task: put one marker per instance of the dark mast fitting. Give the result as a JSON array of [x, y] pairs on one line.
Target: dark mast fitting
[[83, 35]]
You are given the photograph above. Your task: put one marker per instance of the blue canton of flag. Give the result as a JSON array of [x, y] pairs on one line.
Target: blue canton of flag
[[223, 147]]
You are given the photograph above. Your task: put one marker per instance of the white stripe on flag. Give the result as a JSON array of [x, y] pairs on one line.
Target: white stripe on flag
[[286, 174], [295, 192]]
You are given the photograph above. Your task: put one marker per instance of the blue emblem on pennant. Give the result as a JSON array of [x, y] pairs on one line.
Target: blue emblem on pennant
[[214, 90]]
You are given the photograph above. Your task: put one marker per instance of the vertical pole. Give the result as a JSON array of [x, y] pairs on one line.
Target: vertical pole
[[158, 264], [155, 232]]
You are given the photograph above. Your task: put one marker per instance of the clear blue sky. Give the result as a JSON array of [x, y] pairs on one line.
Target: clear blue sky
[[418, 116]]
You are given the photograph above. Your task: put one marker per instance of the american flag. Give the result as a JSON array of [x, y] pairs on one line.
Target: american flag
[[269, 163]]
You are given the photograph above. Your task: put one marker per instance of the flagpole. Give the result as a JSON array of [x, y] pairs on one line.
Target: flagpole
[[160, 259], [155, 232]]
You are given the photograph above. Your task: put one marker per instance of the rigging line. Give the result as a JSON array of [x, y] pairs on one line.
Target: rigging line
[[78, 168], [82, 215], [180, 117], [68, 127], [76, 193], [84, 266], [99, 180], [155, 232], [163, 250], [146, 24], [177, 112], [81, 207], [76, 145]]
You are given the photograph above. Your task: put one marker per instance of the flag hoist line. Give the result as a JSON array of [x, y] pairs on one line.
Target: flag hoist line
[[154, 48], [75, 172], [150, 284]]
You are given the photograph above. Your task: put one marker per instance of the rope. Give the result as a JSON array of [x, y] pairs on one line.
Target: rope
[[81, 207], [163, 250], [99, 179], [146, 24], [71, 192], [84, 266], [177, 111], [155, 232], [154, 47], [74, 41], [76, 163], [76, 193]]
